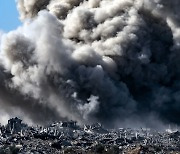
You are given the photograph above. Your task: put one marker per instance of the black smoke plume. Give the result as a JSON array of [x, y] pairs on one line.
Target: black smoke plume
[[111, 61]]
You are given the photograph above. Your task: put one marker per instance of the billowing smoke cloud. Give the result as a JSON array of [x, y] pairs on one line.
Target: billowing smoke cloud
[[1, 34], [110, 61]]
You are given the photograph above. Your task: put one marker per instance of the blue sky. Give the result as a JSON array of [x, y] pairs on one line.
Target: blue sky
[[8, 15]]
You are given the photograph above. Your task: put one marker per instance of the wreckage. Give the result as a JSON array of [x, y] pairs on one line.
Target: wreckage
[[69, 137]]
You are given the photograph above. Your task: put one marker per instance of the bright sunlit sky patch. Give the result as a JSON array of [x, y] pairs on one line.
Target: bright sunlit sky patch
[[8, 15]]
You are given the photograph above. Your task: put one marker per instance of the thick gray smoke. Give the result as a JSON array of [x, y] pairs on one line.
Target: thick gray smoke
[[110, 61]]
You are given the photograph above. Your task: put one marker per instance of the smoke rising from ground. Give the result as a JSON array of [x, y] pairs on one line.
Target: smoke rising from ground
[[110, 61]]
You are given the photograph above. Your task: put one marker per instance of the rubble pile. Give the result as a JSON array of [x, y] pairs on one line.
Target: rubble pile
[[69, 137]]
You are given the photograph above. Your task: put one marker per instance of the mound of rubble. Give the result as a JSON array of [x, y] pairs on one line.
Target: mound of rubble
[[69, 138]]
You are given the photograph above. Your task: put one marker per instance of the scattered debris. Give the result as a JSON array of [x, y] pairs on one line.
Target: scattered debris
[[68, 137]]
